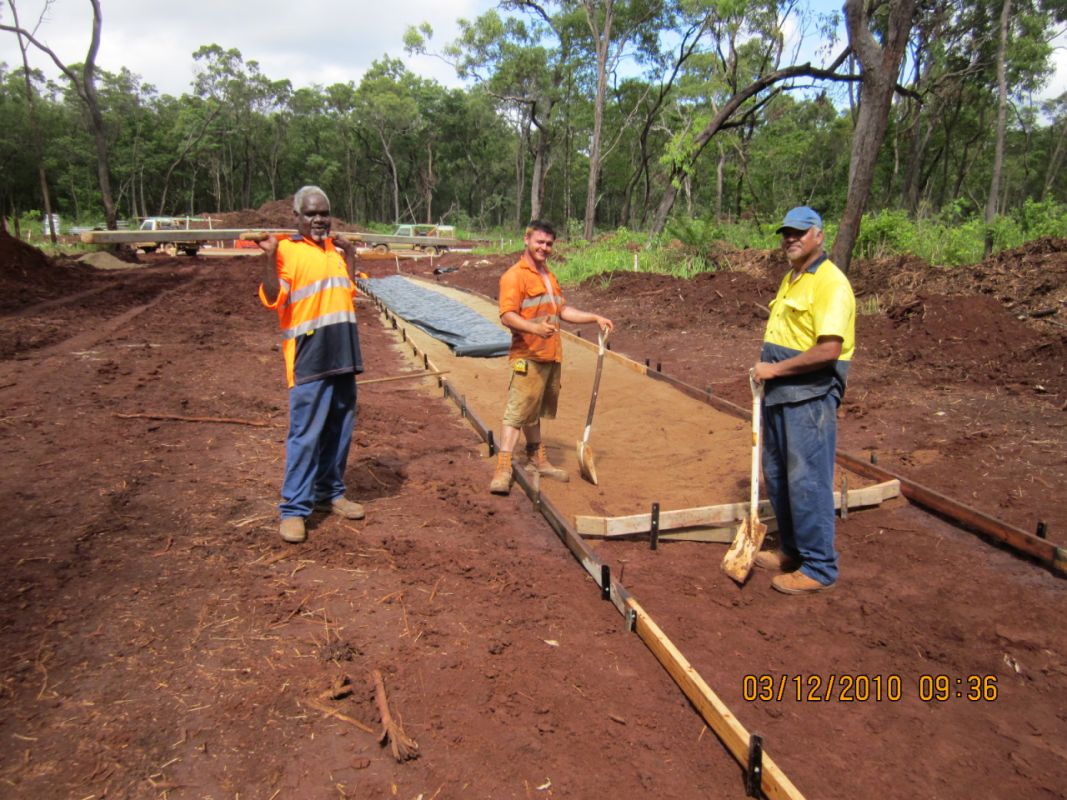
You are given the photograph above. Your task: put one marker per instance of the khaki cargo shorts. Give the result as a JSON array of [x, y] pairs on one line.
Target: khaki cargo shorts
[[534, 395]]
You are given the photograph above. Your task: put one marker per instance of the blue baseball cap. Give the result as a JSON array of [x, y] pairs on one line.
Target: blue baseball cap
[[800, 219]]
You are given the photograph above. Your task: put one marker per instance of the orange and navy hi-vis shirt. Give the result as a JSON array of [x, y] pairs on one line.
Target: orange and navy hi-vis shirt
[[534, 296], [315, 309]]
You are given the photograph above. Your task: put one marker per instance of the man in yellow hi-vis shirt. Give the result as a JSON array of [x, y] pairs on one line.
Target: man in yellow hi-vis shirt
[[804, 365]]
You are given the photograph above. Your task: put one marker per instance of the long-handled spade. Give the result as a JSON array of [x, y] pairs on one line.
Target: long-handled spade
[[585, 453], [737, 562]]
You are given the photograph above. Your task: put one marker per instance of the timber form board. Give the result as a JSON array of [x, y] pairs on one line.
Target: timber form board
[[720, 515]]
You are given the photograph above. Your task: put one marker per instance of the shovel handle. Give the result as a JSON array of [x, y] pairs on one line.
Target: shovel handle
[[602, 340], [757, 441]]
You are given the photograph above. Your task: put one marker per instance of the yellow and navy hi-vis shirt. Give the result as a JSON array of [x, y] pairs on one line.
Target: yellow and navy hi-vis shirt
[[818, 303], [316, 313]]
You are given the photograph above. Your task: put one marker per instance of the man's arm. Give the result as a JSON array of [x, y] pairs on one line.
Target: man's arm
[[271, 287], [348, 250], [569, 314], [511, 319], [825, 352]]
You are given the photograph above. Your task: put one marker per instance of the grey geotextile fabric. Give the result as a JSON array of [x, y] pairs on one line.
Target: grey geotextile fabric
[[466, 331]]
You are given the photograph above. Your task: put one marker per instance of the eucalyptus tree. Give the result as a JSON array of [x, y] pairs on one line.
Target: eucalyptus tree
[[387, 105], [245, 134], [527, 64], [83, 79], [746, 41], [35, 125], [878, 41]]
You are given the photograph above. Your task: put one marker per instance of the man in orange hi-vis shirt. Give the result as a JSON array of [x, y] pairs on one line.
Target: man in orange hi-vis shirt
[[532, 305], [308, 280]]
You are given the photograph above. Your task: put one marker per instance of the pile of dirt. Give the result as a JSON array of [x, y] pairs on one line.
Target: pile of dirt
[[967, 339], [28, 276], [1031, 280], [273, 214]]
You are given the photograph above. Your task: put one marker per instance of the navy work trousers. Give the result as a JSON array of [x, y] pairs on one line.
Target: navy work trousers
[[799, 442], [322, 415]]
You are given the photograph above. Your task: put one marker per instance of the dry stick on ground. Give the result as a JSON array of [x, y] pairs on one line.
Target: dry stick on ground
[[179, 418], [403, 748], [318, 705]]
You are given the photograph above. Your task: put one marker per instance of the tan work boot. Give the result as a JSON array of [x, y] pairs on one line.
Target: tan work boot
[[538, 462], [501, 483], [342, 507], [292, 530], [798, 583], [776, 561]]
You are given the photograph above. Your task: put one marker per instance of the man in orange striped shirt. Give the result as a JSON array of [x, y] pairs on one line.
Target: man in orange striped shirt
[[532, 305], [308, 280]]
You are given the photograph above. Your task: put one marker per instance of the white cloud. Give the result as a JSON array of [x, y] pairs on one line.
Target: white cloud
[[317, 44]]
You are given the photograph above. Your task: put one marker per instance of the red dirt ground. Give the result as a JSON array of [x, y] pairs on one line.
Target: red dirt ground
[[159, 640]]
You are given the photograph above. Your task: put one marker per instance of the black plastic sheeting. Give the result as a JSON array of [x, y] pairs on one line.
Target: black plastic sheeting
[[466, 331]]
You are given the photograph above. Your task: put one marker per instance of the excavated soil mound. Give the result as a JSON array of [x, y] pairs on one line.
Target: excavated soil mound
[[275, 214], [960, 339], [29, 276]]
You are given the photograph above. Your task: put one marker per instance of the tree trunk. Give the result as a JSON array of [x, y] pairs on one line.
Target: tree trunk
[[881, 65], [602, 38], [1057, 157], [537, 179], [520, 171], [1002, 119]]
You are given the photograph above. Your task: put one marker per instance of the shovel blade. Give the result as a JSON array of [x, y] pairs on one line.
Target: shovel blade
[[586, 465], [737, 563]]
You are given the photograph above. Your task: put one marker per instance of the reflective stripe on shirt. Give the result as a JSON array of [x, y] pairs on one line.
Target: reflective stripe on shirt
[[319, 322]]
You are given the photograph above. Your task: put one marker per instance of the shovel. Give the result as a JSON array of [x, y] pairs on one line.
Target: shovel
[[737, 562], [585, 453]]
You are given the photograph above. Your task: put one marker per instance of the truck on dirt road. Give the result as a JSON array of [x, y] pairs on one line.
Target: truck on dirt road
[[155, 224], [432, 239]]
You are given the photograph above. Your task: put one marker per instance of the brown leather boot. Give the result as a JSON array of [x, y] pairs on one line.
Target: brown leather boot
[[501, 483], [538, 461]]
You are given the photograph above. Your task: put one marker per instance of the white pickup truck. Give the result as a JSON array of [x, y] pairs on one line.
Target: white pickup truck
[[190, 247], [432, 239]]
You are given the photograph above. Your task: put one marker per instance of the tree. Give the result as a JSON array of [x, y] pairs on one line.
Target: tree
[[85, 85], [880, 64], [35, 129]]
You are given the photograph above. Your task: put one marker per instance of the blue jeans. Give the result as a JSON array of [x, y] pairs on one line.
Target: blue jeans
[[322, 415], [799, 442]]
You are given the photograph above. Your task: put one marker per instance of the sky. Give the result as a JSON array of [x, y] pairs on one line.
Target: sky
[[324, 44]]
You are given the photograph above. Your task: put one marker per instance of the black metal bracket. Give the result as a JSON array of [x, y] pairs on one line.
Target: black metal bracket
[[754, 775], [1042, 530], [491, 443], [605, 582], [653, 540]]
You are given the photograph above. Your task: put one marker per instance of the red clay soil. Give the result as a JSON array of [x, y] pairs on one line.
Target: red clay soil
[[159, 640]]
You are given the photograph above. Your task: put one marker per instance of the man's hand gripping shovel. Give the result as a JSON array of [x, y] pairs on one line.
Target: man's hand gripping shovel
[[585, 453], [737, 562]]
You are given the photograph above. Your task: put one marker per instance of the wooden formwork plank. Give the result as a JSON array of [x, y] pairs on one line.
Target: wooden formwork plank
[[719, 515], [720, 719], [1053, 557]]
